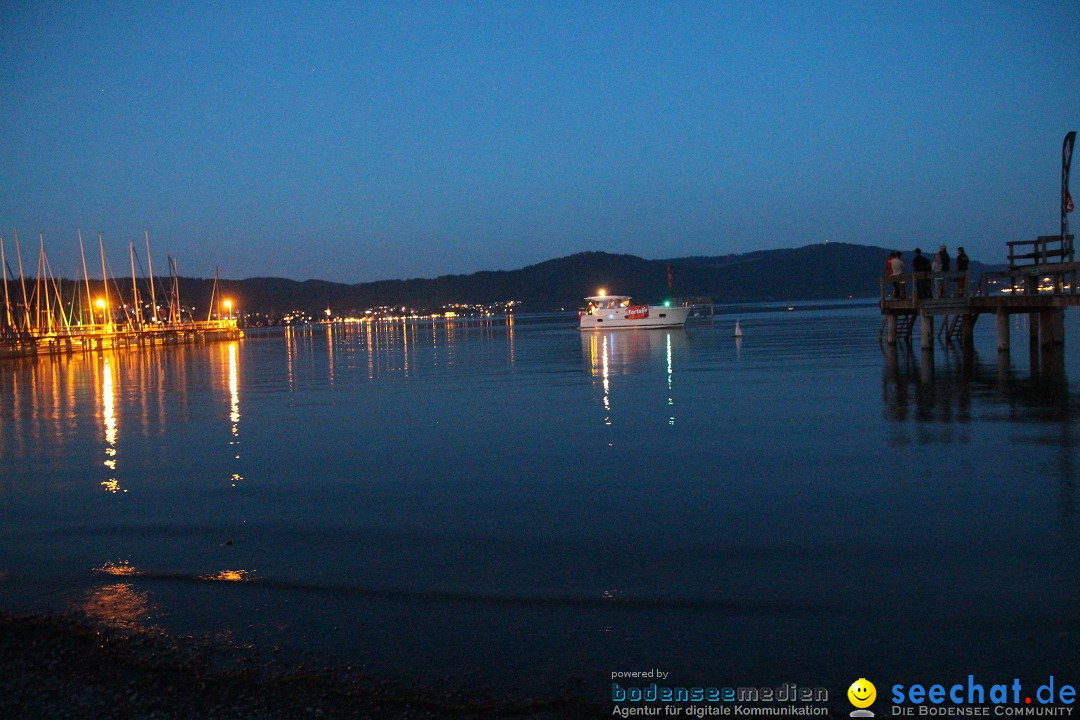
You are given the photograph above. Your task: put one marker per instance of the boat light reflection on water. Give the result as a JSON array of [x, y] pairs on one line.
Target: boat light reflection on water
[[640, 352], [598, 352], [671, 398]]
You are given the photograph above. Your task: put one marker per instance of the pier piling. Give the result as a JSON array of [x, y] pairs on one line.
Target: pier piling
[[926, 331], [1002, 329]]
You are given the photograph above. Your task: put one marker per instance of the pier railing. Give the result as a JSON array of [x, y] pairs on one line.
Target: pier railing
[[1044, 265], [915, 287], [1041, 251]]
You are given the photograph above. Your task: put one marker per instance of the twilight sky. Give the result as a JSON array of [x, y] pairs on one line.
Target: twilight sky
[[356, 141]]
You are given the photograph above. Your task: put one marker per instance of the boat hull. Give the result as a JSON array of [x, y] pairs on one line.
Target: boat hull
[[658, 316]]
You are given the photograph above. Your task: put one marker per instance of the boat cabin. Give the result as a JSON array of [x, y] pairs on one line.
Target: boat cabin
[[606, 302]]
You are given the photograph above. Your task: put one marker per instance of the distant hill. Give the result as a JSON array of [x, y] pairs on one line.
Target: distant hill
[[813, 272]]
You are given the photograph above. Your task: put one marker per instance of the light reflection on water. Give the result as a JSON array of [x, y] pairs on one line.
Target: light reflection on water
[[118, 605], [641, 497], [614, 352], [108, 414], [230, 576], [122, 568], [234, 409]]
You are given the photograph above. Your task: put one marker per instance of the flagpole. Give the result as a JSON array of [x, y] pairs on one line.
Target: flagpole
[[1066, 199]]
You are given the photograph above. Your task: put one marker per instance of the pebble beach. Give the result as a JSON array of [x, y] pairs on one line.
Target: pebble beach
[[65, 667]]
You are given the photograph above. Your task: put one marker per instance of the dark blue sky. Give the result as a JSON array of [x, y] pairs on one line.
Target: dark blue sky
[[357, 141]]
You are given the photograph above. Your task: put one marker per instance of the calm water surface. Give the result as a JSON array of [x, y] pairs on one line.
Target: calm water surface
[[514, 502]]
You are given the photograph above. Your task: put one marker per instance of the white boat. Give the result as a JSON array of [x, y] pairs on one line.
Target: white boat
[[614, 312]]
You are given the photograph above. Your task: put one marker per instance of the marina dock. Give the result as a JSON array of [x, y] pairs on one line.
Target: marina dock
[[93, 338]]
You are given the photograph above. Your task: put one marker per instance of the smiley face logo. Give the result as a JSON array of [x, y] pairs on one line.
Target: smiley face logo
[[862, 693]]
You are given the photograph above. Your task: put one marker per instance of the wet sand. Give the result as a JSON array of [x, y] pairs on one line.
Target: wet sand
[[61, 666]]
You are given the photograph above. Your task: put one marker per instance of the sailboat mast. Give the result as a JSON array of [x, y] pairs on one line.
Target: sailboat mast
[[172, 287], [86, 277], [175, 296], [22, 283], [134, 285], [150, 264], [7, 297], [213, 294], [104, 280], [37, 283], [50, 277]]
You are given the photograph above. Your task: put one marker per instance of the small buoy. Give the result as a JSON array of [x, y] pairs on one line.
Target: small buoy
[[738, 329]]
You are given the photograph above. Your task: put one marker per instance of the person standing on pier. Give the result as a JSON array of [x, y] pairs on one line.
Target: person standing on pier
[[961, 266], [920, 264], [895, 265], [946, 266], [889, 273], [939, 282]]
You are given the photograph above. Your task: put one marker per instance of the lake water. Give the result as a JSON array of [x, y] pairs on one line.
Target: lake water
[[515, 503]]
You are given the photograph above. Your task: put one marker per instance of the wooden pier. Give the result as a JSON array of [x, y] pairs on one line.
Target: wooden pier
[[1040, 281]]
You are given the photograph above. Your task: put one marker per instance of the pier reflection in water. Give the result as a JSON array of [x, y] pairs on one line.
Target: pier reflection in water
[[949, 396], [956, 385]]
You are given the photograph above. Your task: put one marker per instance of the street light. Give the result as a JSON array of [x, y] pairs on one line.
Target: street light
[[101, 306], [228, 308]]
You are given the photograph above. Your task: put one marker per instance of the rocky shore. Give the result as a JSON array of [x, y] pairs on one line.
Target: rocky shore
[[62, 666]]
